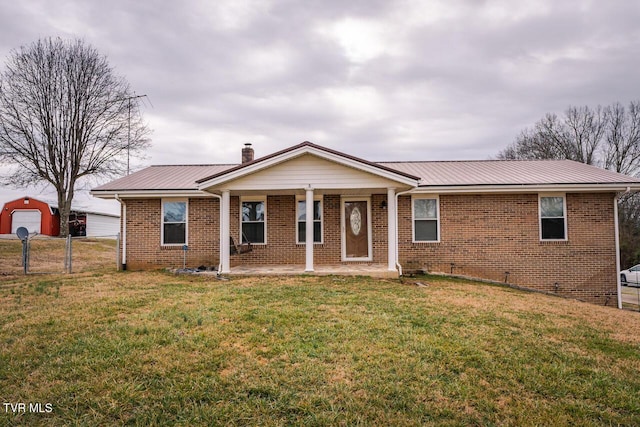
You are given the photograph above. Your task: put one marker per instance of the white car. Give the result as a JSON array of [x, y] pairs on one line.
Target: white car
[[631, 277]]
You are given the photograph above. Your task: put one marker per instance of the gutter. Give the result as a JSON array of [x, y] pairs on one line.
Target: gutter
[[135, 194], [398, 266], [527, 188]]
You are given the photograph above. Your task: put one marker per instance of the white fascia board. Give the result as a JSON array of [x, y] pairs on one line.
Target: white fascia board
[[299, 152], [139, 194], [533, 188]]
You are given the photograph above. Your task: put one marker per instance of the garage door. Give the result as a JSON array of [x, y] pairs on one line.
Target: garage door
[[30, 219]]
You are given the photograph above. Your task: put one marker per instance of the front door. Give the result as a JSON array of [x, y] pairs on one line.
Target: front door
[[356, 230]]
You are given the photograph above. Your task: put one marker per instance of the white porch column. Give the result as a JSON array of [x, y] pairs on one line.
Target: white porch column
[[309, 230], [225, 231], [391, 228]]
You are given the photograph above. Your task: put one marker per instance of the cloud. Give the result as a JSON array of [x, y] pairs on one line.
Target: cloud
[[384, 80]]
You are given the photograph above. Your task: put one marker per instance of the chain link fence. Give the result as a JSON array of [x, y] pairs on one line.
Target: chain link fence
[[631, 297], [52, 255]]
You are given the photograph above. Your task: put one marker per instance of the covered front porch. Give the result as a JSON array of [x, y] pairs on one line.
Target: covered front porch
[[342, 232], [309, 210]]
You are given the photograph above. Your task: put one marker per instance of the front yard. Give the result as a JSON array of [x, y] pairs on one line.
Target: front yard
[[108, 348]]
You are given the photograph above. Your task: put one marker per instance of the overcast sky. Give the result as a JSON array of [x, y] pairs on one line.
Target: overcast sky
[[383, 80]]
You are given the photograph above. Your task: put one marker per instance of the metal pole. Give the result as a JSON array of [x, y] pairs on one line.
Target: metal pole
[[66, 254], [26, 263], [184, 256], [24, 256], [129, 136], [128, 99], [70, 254]]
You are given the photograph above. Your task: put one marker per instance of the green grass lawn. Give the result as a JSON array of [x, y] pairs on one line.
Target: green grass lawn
[[108, 348]]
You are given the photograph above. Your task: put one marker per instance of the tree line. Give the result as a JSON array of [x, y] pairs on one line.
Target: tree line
[[607, 137]]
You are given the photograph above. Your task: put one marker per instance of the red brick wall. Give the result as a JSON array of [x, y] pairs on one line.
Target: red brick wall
[[487, 235], [281, 247], [143, 235], [145, 251], [482, 235]]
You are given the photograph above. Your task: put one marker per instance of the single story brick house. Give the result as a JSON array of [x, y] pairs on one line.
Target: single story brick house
[[546, 225]]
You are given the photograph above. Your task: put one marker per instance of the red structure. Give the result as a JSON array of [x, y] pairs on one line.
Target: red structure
[[25, 212]]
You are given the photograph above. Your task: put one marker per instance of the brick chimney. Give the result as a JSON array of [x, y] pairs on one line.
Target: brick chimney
[[247, 153]]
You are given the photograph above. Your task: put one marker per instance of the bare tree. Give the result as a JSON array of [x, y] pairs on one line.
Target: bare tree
[[64, 116], [584, 129], [575, 136], [621, 151], [608, 137], [546, 140]]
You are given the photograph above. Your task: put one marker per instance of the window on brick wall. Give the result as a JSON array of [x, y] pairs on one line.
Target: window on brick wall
[[302, 218], [253, 218], [426, 219], [553, 218], [174, 222]]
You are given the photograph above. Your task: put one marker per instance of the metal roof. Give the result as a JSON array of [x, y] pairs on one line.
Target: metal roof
[[431, 173], [509, 172], [172, 177]]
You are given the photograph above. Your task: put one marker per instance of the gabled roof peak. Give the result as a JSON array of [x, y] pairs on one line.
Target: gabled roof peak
[[307, 147]]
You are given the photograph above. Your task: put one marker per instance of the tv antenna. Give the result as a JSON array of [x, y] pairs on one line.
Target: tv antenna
[[128, 99]]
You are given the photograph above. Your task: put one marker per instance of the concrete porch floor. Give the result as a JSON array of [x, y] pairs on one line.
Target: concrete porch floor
[[373, 270]]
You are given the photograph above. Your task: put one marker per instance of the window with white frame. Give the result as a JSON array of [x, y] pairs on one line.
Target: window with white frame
[[553, 219], [174, 222], [426, 219], [302, 220], [253, 217]]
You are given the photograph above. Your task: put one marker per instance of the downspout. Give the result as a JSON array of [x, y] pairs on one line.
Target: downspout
[[398, 266], [219, 232], [124, 232], [617, 239]]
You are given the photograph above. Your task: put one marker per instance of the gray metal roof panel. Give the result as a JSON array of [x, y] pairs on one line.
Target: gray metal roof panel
[[170, 177], [508, 172], [431, 173]]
